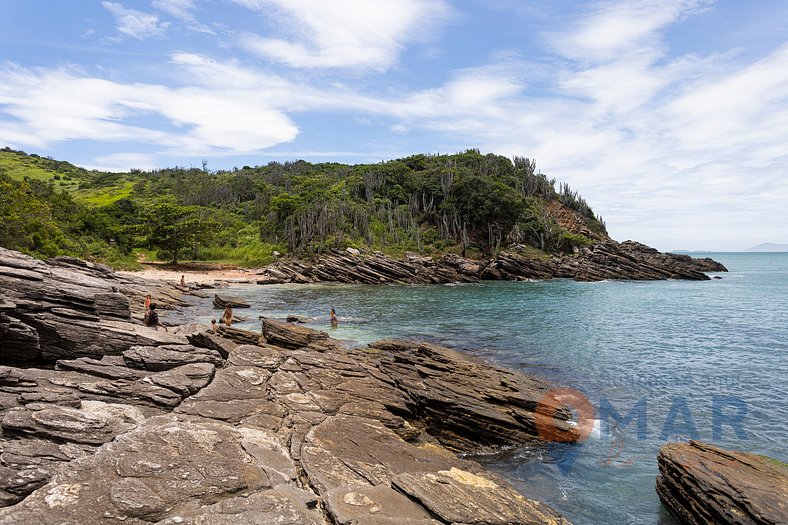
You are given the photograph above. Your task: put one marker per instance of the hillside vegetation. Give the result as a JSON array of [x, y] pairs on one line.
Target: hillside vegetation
[[464, 203]]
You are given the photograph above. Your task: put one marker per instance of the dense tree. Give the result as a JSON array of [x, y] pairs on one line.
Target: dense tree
[[26, 222], [171, 227]]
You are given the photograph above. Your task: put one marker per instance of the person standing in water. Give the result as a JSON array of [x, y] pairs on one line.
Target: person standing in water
[[227, 316], [332, 317]]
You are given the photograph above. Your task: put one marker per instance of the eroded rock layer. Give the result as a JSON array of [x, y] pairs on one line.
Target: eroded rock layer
[[703, 484], [607, 260]]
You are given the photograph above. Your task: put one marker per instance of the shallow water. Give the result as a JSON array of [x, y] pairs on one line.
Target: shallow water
[[680, 359]]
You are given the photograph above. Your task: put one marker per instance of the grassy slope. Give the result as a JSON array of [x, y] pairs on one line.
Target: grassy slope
[[64, 176]]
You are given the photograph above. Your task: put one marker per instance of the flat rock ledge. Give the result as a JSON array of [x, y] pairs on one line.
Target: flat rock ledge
[[703, 484], [609, 260], [291, 428]]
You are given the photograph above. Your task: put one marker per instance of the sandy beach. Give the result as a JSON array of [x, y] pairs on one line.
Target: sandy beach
[[230, 275]]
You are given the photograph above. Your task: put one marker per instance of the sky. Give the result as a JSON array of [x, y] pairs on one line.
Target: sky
[[669, 116]]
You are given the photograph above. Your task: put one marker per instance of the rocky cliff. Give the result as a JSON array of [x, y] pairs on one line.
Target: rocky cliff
[[608, 260], [107, 422]]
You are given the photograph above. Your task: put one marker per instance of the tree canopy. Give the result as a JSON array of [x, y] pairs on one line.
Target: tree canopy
[[423, 203]]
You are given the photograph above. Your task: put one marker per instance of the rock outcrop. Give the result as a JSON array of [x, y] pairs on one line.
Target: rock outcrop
[[605, 260], [703, 484], [192, 427], [68, 308]]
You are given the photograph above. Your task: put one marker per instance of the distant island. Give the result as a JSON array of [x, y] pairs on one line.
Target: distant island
[[768, 247]]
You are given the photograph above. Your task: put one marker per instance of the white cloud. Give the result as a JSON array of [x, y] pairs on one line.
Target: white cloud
[[55, 106], [344, 33], [617, 27], [136, 24], [120, 162], [182, 10]]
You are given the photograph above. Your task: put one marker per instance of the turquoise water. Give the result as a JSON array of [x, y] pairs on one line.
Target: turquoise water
[[709, 353]]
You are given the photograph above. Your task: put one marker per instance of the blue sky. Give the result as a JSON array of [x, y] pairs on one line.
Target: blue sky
[[669, 116]]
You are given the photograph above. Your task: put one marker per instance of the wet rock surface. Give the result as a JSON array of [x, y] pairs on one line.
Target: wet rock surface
[[604, 260], [286, 427], [703, 484]]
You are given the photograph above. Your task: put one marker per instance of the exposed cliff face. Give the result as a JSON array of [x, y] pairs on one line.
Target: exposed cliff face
[[703, 484], [145, 427], [609, 260]]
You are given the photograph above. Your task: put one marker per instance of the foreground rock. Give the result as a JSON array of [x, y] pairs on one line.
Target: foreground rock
[[283, 426], [703, 484], [605, 260]]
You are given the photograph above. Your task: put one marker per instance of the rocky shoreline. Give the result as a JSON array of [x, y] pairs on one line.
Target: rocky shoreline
[[609, 260], [106, 421]]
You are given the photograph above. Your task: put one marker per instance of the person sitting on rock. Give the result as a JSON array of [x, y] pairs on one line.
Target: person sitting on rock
[[183, 281], [151, 318], [332, 317], [213, 326], [227, 316]]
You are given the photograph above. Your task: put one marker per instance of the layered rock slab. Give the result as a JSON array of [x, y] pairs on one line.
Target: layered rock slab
[[605, 259], [166, 470], [704, 484], [67, 308]]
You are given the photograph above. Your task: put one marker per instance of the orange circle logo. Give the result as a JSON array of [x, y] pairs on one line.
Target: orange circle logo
[[556, 400]]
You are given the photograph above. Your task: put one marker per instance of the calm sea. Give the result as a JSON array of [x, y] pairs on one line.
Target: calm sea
[[659, 361]]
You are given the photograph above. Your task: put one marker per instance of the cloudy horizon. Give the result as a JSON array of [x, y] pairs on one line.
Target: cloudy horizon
[[670, 117]]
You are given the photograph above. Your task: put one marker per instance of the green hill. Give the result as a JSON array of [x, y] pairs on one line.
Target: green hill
[[464, 203]]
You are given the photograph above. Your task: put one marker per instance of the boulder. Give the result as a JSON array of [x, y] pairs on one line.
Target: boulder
[[703, 484], [288, 335], [222, 301]]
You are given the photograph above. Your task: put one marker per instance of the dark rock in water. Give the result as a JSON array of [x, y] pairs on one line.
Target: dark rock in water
[[289, 336], [297, 319], [221, 301], [703, 484]]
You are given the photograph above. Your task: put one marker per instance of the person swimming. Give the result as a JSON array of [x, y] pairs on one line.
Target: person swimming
[[332, 317]]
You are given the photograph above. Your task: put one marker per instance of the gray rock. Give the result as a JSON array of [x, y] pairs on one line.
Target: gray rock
[[222, 300], [289, 336], [92, 424], [166, 357], [165, 468]]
